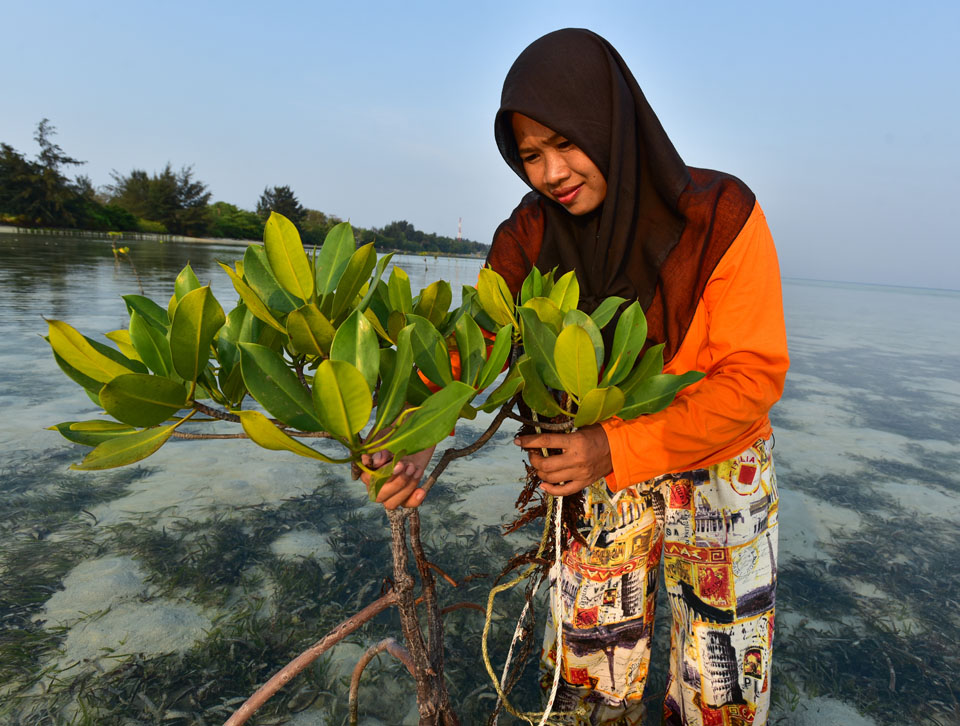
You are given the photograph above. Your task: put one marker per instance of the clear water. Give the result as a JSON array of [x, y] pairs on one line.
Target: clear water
[[171, 560]]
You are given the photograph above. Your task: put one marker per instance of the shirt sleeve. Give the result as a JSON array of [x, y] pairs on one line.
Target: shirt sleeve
[[743, 350]]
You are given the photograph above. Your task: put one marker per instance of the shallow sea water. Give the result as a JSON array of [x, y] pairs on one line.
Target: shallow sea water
[[166, 592]]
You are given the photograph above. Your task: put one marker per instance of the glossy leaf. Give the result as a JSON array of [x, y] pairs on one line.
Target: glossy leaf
[[186, 282], [122, 339], [355, 274], [341, 398], [598, 405], [127, 449], [80, 353], [196, 320], [310, 331], [142, 400], [494, 296], [91, 433], [566, 292], [472, 348], [264, 433], [650, 365], [656, 393], [151, 344], [288, 260], [430, 423], [539, 342], [417, 390], [496, 357], [333, 257], [628, 340], [250, 298], [578, 317], [375, 282], [228, 351], [470, 301], [90, 385], [430, 351], [355, 342], [148, 310], [532, 286], [547, 311], [276, 387], [393, 390], [535, 394], [370, 315], [434, 302], [576, 361], [606, 310], [504, 392], [260, 278], [398, 291]]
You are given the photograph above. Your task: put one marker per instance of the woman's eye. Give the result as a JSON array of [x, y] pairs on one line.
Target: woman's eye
[[563, 145], [529, 158]]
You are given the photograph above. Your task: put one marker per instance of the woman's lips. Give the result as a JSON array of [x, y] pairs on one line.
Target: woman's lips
[[567, 194]]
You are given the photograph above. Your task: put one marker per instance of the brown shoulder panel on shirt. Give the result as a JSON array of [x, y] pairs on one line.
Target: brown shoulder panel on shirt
[[516, 243]]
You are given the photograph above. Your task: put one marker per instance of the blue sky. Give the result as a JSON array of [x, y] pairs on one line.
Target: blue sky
[[844, 117]]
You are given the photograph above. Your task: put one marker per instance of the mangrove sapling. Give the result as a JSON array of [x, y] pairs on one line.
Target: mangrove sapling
[[329, 349]]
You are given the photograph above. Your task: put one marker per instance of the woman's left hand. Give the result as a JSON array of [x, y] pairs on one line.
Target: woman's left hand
[[585, 458]]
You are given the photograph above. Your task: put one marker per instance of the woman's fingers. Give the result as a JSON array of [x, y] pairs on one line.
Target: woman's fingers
[[543, 441]]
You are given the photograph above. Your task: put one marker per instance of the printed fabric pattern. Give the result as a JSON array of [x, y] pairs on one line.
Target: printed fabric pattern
[[715, 530]]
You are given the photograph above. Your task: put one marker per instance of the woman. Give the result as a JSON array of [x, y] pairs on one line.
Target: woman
[[693, 485]]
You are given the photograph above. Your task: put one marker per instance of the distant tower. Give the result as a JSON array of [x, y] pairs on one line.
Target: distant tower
[[460, 229]]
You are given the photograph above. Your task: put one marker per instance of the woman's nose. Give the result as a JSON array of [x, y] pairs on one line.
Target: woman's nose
[[556, 169]]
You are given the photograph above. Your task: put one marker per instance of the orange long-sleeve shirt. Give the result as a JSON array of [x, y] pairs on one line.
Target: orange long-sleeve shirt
[[737, 337]]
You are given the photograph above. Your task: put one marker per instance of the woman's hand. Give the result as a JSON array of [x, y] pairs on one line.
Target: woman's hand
[[401, 489], [585, 458]]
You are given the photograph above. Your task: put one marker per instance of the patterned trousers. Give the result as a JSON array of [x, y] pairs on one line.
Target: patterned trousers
[[715, 530]]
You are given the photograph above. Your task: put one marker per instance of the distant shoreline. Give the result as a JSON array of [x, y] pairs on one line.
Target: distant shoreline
[[108, 236]]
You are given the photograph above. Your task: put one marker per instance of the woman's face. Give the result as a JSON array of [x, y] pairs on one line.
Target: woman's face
[[557, 168]]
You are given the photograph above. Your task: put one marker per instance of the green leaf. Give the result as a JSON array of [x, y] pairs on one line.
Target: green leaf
[[276, 387], [472, 347], [227, 350], [566, 292], [122, 339], [532, 286], [417, 390], [430, 351], [576, 361], [535, 394], [605, 311], [504, 392], [341, 398], [628, 340], [494, 296], [434, 302], [148, 310], [598, 405], [264, 433], [196, 320], [656, 393], [578, 317], [398, 291], [259, 277], [310, 331], [356, 273], [355, 342], [650, 365], [338, 246], [90, 385], [548, 312], [91, 433], [126, 449], [186, 282], [496, 358], [288, 261], [250, 298], [142, 400], [84, 355], [375, 282], [393, 390], [151, 344], [430, 423], [539, 342], [396, 322], [471, 304]]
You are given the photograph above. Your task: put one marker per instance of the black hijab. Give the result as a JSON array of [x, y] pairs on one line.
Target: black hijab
[[662, 227]]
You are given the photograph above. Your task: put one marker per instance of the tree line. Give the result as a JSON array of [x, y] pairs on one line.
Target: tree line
[[40, 193]]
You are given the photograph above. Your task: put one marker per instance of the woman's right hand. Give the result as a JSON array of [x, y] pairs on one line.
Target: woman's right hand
[[401, 489]]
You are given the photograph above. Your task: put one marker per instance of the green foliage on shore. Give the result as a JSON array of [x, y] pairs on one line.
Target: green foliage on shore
[[38, 193]]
